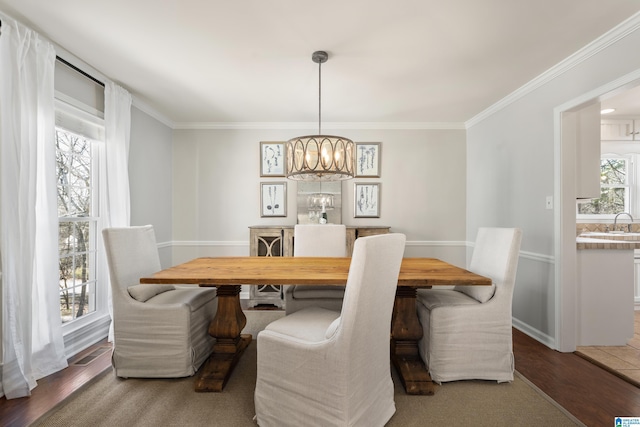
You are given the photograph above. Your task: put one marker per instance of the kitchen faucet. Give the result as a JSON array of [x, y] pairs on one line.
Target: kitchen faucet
[[616, 220]]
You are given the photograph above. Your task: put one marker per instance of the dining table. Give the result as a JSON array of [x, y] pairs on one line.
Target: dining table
[[228, 274]]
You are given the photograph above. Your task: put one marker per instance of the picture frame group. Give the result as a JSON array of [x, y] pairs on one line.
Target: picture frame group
[[273, 195]]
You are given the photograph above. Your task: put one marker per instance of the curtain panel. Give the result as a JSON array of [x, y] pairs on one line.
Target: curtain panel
[[117, 119], [115, 196], [32, 342]]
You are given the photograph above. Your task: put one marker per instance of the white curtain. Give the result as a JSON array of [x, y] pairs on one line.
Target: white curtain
[[117, 119], [32, 343], [116, 199]]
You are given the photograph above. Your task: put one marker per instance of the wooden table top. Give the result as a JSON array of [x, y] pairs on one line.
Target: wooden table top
[[252, 270]]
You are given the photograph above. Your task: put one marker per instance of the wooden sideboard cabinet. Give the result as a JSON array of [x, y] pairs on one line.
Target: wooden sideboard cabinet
[[279, 241], [269, 241], [354, 232]]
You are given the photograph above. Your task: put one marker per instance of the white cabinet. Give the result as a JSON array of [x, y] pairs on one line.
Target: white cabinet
[[636, 280], [620, 130], [605, 293]]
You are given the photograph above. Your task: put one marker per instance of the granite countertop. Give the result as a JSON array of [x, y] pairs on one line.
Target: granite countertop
[[610, 241]]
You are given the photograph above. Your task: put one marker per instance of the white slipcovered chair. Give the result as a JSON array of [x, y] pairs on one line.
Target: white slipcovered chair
[[468, 329], [319, 367], [160, 331], [325, 240]]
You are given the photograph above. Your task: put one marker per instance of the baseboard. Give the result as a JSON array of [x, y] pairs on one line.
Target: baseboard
[[81, 339], [534, 333]]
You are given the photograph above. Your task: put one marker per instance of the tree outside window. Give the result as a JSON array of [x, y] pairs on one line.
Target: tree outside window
[[614, 189], [77, 227]]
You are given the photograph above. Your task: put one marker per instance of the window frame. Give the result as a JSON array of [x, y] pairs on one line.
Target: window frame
[[631, 201], [92, 219], [72, 116]]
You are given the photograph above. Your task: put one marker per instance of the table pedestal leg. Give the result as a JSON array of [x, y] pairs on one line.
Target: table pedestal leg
[[225, 327], [406, 331]]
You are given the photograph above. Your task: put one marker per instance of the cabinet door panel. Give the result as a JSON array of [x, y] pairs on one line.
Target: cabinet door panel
[[616, 130], [267, 242]]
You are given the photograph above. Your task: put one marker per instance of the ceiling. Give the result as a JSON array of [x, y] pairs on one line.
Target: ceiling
[[625, 104], [424, 61]]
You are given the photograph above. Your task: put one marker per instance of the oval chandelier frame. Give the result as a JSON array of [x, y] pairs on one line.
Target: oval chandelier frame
[[320, 157]]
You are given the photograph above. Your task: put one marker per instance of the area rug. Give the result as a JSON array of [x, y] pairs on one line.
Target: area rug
[[110, 401]]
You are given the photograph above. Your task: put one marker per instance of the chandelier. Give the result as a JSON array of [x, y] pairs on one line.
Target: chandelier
[[320, 157]]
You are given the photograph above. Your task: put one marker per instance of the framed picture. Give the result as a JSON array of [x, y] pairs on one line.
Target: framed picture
[[366, 203], [273, 199], [272, 159], [368, 160]]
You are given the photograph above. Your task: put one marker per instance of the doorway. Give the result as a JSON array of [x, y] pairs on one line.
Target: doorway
[[565, 216]]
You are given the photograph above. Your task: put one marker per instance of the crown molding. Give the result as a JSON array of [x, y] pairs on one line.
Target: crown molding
[[309, 125], [618, 33]]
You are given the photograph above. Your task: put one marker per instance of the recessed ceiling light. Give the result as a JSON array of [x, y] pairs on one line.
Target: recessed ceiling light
[[607, 110]]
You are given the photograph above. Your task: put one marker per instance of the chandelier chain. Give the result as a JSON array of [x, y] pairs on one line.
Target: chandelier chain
[[319, 97]]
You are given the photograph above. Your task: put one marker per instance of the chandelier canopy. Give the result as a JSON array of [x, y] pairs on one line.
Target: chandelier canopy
[[320, 157]]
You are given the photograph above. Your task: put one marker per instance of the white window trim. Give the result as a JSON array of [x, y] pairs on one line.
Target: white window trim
[[634, 203], [92, 327]]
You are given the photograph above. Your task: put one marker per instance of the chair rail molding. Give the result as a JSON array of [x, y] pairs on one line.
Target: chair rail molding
[[410, 243], [458, 243], [213, 243]]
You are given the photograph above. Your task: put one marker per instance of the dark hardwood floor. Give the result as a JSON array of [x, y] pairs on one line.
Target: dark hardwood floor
[[52, 390], [593, 395]]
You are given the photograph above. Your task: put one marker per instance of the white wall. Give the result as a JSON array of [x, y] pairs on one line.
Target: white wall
[[509, 175], [150, 178], [217, 180], [510, 171]]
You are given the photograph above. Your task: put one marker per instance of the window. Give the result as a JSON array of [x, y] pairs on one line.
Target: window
[[615, 188], [77, 217], [82, 281]]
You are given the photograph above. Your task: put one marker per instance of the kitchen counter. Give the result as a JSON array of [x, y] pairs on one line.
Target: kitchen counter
[[606, 297], [626, 241]]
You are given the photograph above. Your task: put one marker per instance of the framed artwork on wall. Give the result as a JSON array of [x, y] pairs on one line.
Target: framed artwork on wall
[[272, 159], [273, 199], [368, 160], [366, 203]]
